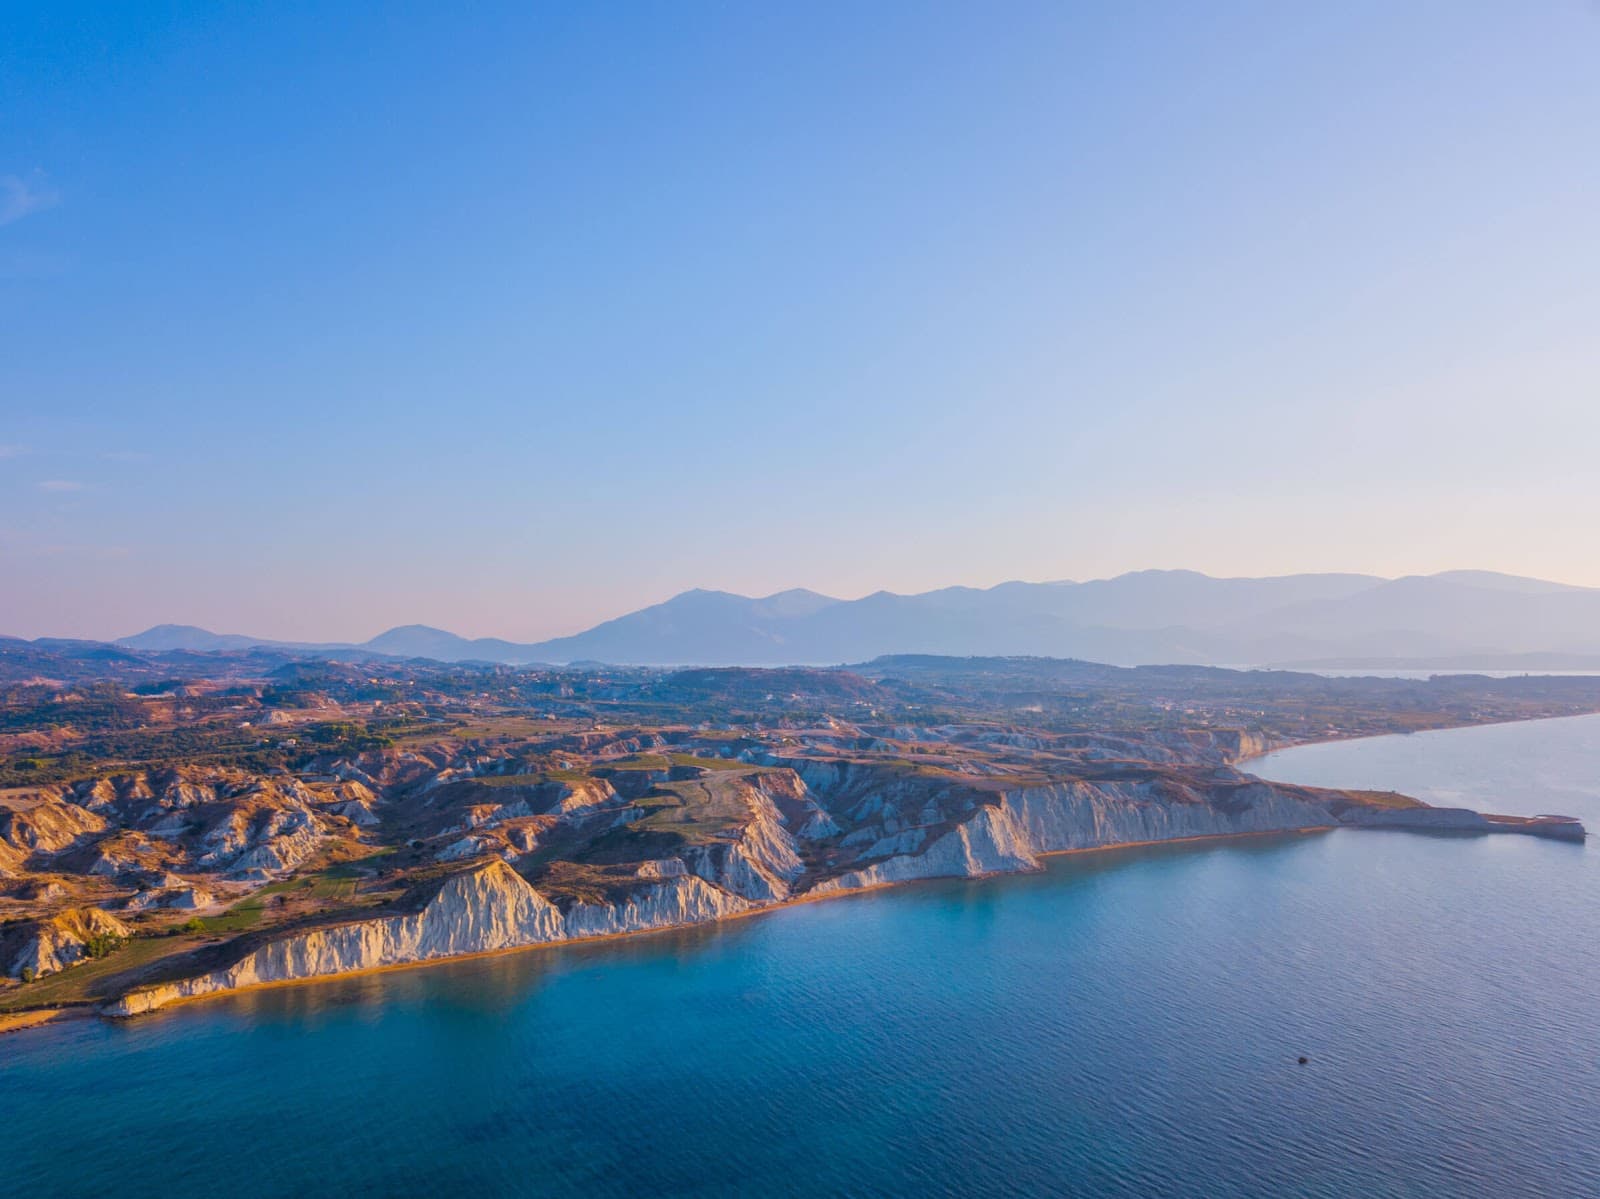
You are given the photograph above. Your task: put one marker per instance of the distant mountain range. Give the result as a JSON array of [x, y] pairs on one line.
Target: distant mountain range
[[1453, 620]]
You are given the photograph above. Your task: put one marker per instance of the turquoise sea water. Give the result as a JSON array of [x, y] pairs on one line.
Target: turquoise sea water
[[1123, 1024]]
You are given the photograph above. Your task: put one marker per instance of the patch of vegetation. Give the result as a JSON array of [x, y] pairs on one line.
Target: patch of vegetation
[[350, 736], [921, 769], [243, 915], [1384, 799], [99, 945], [586, 882], [331, 887], [335, 884], [640, 762], [708, 763], [694, 812], [628, 845], [357, 867], [498, 727]]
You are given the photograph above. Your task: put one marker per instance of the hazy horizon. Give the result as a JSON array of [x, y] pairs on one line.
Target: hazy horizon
[[293, 627], [318, 322], [362, 636]]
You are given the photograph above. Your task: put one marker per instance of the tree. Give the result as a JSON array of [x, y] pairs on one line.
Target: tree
[[100, 944]]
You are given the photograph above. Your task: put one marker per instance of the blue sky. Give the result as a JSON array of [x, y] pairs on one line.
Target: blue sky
[[510, 318]]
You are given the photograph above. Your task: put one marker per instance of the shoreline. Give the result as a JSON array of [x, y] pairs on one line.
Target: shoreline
[[1443, 728], [87, 1010], [37, 1017], [22, 1020]]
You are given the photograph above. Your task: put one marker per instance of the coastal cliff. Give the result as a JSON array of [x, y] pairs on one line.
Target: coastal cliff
[[493, 907], [478, 911], [474, 912], [1025, 824], [902, 827]]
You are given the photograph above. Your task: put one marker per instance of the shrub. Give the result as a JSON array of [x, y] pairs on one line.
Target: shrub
[[28, 974], [100, 944]]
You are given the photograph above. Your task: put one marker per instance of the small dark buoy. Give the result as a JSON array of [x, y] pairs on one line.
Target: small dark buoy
[[1304, 1060]]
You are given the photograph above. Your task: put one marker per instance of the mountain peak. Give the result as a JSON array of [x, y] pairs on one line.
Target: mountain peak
[[162, 638], [419, 641], [168, 630]]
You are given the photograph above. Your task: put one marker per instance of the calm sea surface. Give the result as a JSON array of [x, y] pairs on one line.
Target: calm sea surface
[[1123, 1024]]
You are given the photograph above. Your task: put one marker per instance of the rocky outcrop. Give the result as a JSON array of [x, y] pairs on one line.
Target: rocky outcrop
[[40, 947], [475, 845], [178, 897], [354, 801], [45, 828], [124, 853], [579, 796], [248, 842]]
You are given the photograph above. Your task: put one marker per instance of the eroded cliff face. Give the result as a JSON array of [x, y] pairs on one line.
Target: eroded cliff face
[[1090, 816], [989, 842], [40, 947], [767, 851], [490, 908], [478, 911], [685, 899], [1012, 831]]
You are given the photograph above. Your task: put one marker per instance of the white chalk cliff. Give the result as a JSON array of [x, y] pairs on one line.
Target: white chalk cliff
[[904, 829], [477, 911], [1024, 824]]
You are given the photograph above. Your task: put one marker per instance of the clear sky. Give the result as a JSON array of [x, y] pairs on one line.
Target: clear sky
[[320, 318]]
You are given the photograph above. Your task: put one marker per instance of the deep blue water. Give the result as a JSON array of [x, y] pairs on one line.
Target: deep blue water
[[1123, 1024]]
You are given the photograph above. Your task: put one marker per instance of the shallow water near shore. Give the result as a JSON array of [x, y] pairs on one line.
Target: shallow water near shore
[[1124, 1023]]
